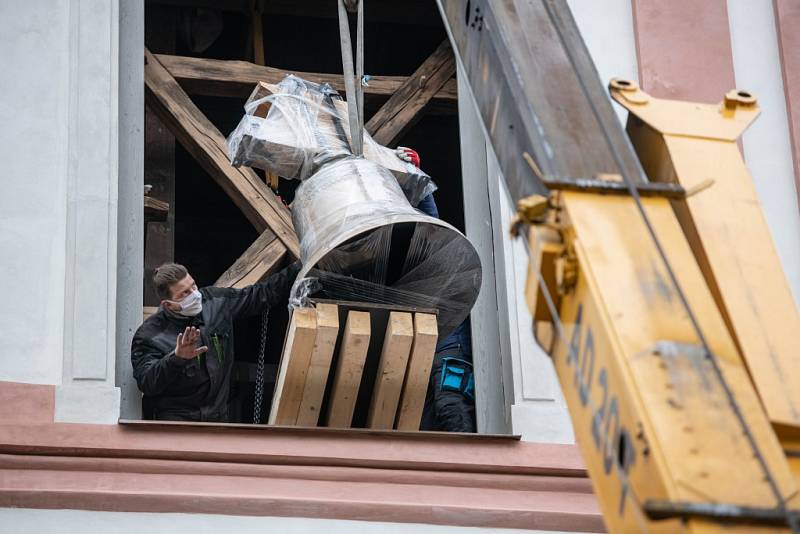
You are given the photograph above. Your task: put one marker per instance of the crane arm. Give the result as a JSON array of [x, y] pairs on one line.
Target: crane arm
[[676, 405]]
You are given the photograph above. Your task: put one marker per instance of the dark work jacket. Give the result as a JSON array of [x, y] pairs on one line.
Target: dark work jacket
[[197, 389]]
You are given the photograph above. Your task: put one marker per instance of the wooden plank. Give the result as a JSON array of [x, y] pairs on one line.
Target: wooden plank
[[296, 355], [159, 171], [202, 139], [350, 366], [159, 157], [260, 260], [418, 373], [216, 77], [404, 107], [158, 244], [372, 306], [320, 365], [391, 371]]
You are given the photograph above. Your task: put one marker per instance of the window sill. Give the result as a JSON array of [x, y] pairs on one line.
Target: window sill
[[321, 430], [234, 469]]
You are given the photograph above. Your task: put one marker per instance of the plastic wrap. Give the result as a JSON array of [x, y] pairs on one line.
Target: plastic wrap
[[361, 240], [295, 128]]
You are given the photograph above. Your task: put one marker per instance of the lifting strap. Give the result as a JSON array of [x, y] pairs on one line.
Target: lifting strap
[[353, 81], [354, 91]]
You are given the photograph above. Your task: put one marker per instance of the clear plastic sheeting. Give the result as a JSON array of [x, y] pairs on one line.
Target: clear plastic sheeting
[[297, 127], [361, 240]]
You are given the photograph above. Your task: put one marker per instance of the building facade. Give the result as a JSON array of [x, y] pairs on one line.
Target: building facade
[[71, 132]]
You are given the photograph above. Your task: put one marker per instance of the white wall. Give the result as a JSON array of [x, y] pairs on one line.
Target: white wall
[[539, 412], [767, 149], [517, 388], [34, 112], [26, 521], [607, 30], [494, 381], [59, 161]]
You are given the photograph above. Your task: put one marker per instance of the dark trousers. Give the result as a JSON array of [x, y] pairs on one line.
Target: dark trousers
[[445, 409]]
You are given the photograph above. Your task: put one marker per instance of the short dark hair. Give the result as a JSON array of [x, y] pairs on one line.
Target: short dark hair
[[166, 276]]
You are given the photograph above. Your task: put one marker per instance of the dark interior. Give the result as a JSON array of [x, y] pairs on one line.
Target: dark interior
[[210, 232]]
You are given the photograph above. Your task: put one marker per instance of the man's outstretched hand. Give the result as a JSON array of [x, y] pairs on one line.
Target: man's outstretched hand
[[185, 348]]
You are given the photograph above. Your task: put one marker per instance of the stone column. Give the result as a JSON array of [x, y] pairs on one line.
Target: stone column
[[130, 216], [88, 393]]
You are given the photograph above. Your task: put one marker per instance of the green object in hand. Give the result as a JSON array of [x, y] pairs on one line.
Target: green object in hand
[[218, 348]]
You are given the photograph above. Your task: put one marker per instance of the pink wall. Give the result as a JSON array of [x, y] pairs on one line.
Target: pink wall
[[26, 403], [684, 49], [787, 22]]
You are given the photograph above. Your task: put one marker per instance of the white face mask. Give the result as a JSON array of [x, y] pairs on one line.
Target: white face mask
[[191, 304]]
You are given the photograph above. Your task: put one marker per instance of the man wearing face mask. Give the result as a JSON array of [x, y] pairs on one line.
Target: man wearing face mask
[[182, 355]]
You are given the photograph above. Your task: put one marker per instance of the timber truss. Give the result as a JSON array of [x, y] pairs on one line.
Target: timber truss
[[169, 80]]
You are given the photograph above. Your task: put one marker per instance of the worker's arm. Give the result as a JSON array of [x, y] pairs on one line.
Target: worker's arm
[[427, 205], [153, 370], [256, 298]]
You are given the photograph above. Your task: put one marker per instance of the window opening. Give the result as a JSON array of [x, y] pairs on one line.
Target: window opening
[[191, 220]]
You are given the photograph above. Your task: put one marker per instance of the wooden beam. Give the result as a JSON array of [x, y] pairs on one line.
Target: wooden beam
[[320, 365], [404, 107], [202, 139], [260, 260], [216, 77], [228, 5], [349, 368], [391, 371], [257, 33], [159, 157], [155, 210], [293, 367], [414, 12], [418, 374], [147, 311]]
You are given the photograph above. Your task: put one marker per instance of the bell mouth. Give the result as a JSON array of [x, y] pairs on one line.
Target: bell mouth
[[424, 264]]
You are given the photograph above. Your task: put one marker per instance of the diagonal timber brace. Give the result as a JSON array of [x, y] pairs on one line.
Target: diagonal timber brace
[[202, 139]]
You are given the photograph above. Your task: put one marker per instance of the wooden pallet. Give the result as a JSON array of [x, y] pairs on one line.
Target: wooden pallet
[[347, 364]]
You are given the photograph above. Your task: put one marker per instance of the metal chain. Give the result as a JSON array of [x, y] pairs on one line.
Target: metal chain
[[259, 393]]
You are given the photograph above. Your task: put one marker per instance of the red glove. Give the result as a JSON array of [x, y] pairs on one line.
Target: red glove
[[408, 155]]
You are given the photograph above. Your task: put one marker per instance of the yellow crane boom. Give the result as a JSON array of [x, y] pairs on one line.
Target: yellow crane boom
[[653, 280]]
